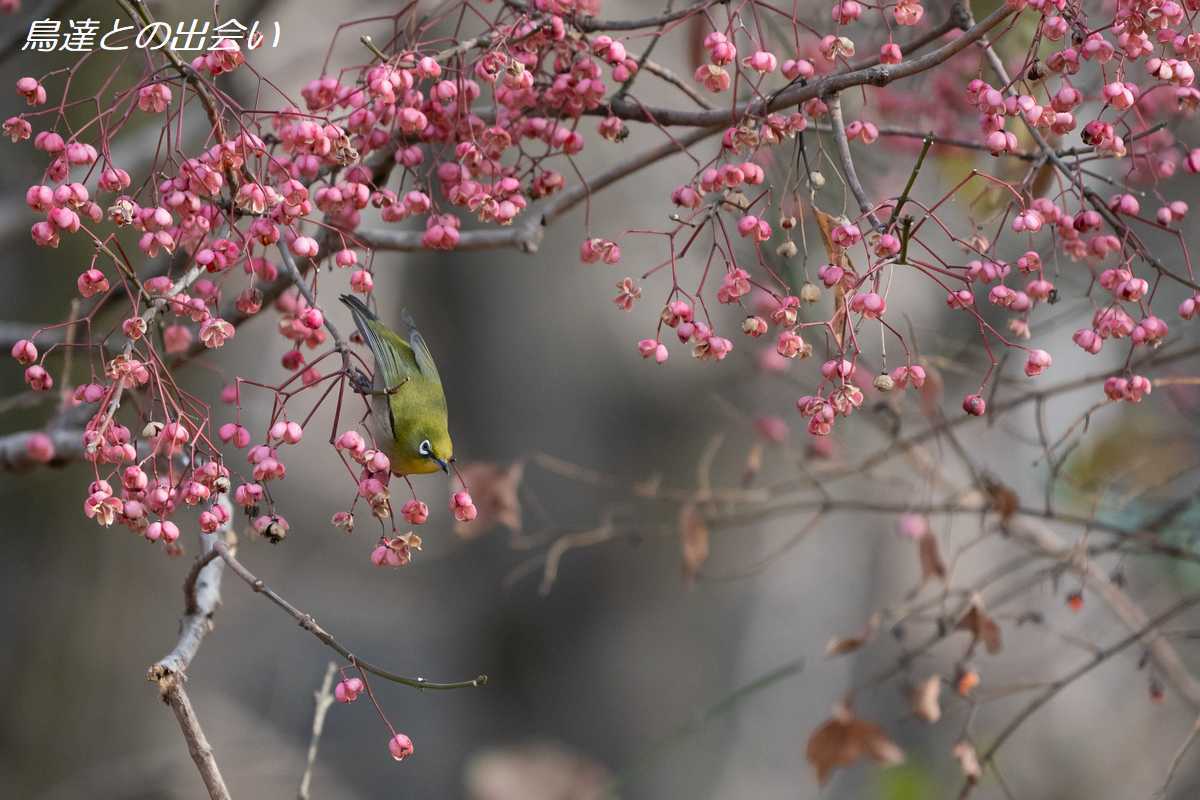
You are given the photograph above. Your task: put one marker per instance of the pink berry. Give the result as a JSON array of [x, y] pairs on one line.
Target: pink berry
[[400, 746], [25, 352]]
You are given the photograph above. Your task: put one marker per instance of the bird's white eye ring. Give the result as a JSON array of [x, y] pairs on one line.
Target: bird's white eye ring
[[425, 448]]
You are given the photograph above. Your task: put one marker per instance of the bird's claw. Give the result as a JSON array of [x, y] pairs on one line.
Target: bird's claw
[[359, 382]]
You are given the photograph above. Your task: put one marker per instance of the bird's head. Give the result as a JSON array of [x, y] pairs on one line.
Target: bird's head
[[435, 446]]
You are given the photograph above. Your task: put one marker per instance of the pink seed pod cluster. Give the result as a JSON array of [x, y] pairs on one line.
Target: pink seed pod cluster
[[793, 200]]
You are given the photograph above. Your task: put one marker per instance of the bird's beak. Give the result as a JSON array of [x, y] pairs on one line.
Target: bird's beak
[[445, 467]]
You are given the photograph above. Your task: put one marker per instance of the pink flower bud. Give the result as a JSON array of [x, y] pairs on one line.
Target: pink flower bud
[[652, 348], [1088, 340], [165, 529], [462, 507], [1037, 363], [975, 405], [762, 61], [347, 691], [795, 68], [400, 746], [25, 352], [415, 512], [890, 54], [38, 379]]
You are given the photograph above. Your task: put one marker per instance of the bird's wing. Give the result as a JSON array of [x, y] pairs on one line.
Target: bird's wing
[[423, 357], [394, 359]]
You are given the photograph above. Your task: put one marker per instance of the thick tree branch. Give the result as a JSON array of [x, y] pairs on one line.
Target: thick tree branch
[[877, 75], [201, 597], [14, 449], [198, 747], [526, 233]]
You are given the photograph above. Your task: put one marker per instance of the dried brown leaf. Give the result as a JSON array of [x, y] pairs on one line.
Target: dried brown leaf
[[837, 256], [693, 539], [1003, 499], [754, 462], [932, 565], [840, 645], [968, 760], [926, 697], [843, 739], [981, 626]]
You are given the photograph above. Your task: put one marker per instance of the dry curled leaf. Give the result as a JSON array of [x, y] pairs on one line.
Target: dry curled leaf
[[981, 626], [968, 760], [932, 565], [693, 539], [1004, 501], [840, 645], [843, 739], [926, 697], [494, 490], [837, 256], [754, 459]]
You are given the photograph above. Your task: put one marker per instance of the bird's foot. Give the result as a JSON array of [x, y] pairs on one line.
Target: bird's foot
[[359, 382]]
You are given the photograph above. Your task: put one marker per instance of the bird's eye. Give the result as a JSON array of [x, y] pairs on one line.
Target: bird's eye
[[425, 448]]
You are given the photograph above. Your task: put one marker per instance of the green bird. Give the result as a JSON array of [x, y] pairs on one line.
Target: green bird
[[408, 404]]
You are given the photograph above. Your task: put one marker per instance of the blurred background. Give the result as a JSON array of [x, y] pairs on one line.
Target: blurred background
[[610, 672]]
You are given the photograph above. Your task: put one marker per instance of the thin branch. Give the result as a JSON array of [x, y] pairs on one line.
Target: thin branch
[[702, 717], [323, 698], [589, 24], [1161, 650], [662, 73], [1061, 683], [308, 623], [1178, 758], [13, 332]]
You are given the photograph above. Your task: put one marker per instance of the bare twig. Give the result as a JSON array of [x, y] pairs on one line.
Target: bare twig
[[323, 698], [308, 623], [1178, 758], [592, 24], [1061, 683]]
